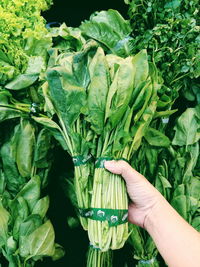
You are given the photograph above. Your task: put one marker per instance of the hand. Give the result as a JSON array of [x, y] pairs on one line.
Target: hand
[[143, 194]]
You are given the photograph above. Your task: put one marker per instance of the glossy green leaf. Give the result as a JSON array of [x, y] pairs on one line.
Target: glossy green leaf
[[41, 241]]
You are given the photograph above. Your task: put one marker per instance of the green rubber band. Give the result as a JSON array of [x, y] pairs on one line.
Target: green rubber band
[[114, 217], [147, 262], [99, 163], [81, 160]]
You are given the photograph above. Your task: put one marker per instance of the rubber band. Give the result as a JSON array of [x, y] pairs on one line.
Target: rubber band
[[93, 246], [147, 262], [114, 217], [81, 160], [34, 108]]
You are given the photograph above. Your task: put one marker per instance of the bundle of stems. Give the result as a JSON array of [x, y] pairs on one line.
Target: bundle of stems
[[97, 258]]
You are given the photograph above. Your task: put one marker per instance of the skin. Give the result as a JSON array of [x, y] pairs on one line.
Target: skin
[[177, 241]]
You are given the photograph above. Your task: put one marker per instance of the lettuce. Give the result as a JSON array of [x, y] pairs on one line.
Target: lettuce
[[22, 35]]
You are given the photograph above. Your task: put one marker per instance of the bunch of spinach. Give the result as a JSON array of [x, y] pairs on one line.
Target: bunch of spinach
[[27, 234], [26, 149]]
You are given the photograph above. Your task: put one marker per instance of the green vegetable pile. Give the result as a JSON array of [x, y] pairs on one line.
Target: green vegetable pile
[[110, 89]]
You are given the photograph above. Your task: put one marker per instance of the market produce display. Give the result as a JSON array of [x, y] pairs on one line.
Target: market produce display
[[110, 89]]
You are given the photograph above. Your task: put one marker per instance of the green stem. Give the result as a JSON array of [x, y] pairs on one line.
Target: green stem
[[66, 136], [180, 77]]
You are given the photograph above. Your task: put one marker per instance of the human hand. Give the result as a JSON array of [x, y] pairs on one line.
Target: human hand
[[143, 194]]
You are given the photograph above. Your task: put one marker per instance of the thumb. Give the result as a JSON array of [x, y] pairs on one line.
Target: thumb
[[122, 168]]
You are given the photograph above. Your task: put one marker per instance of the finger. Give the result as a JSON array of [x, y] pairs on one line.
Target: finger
[[122, 168]]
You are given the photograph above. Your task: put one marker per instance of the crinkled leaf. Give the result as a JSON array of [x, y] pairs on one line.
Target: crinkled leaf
[[66, 94], [110, 29]]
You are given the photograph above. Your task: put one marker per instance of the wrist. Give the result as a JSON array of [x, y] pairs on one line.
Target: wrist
[[156, 213]]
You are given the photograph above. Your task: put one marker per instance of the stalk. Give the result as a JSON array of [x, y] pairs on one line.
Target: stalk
[[97, 258], [82, 189], [109, 192]]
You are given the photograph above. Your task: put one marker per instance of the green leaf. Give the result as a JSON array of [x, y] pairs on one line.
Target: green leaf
[[31, 223], [66, 94], [25, 148], [43, 145], [141, 65], [22, 81], [4, 217], [26, 228], [31, 191], [41, 207], [41, 241], [59, 252], [36, 65], [136, 240], [187, 129], [97, 91], [194, 187], [110, 29], [196, 223], [156, 138], [7, 113], [13, 180], [120, 92], [54, 129], [180, 204], [173, 4]]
